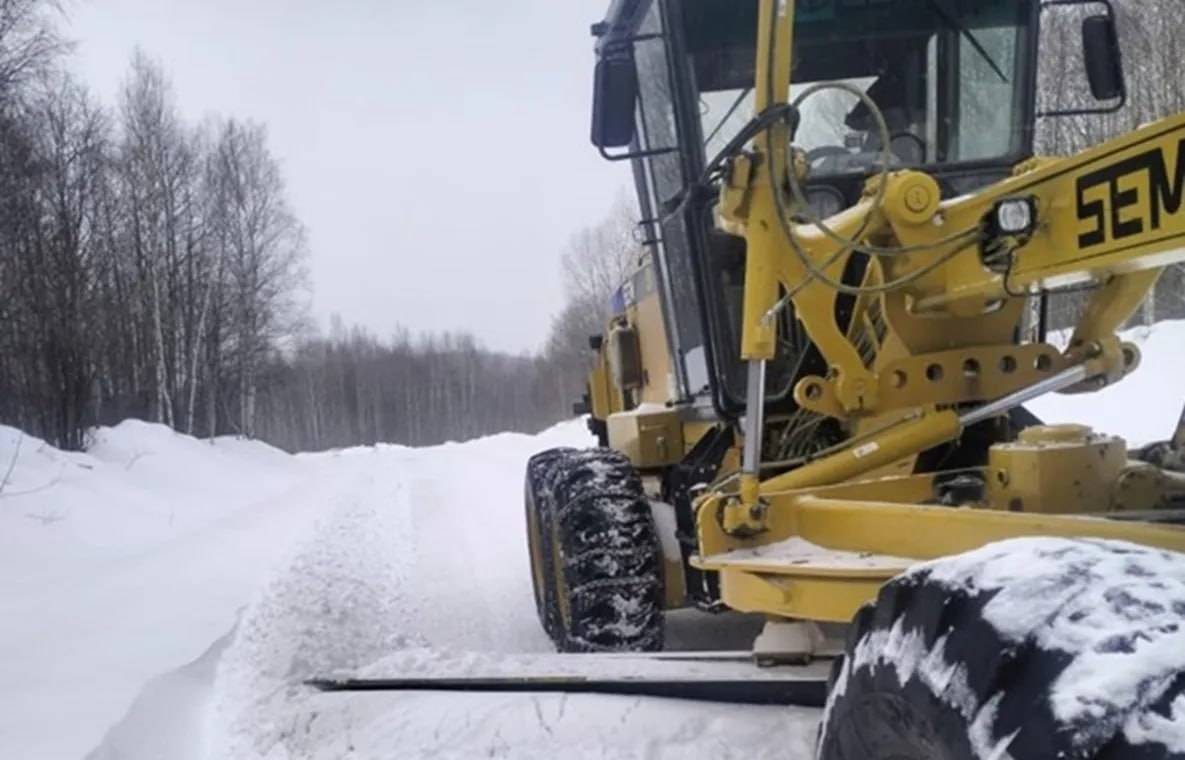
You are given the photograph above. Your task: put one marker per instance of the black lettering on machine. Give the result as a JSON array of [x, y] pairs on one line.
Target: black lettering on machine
[[1118, 212]]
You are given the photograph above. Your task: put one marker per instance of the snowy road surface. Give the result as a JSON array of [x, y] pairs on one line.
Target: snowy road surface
[[125, 570], [163, 598]]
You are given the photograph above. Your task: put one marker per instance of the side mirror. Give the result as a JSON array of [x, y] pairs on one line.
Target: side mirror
[[614, 97], [1102, 58], [1104, 63]]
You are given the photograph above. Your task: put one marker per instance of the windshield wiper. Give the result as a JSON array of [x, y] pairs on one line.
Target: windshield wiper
[[966, 33]]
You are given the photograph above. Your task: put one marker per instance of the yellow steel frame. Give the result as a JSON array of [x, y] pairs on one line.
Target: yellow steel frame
[[1110, 216], [866, 520]]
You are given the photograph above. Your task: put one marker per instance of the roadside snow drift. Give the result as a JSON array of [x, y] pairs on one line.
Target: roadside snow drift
[[120, 564]]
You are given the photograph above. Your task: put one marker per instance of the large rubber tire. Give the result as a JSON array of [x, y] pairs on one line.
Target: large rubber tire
[[540, 509], [1031, 649], [599, 558]]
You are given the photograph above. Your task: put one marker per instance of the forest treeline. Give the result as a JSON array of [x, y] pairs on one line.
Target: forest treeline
[[153, 268], [148, 267]]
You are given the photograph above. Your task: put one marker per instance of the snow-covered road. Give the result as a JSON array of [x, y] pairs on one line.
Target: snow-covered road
[[420, 567], [162, 597], [167, 597]]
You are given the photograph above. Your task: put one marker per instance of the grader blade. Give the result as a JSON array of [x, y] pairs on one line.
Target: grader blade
[[803, 692]]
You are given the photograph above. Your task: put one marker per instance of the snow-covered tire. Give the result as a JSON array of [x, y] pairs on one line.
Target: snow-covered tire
[[540, 510], [599, 545], [1031, 649]]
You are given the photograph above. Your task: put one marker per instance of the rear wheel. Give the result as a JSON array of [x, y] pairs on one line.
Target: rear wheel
[[596, 560], [1027, 650]]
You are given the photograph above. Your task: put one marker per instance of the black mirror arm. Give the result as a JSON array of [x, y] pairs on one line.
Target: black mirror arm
[[1087, 111], [628, 155]]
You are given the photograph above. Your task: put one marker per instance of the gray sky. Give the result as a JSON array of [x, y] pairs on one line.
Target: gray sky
[[437, 151]]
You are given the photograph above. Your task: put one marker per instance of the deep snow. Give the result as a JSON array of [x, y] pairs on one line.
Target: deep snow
[[123, 563], [162, 597]]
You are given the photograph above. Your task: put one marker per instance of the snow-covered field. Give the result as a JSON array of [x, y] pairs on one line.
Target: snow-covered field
[[162, 597]]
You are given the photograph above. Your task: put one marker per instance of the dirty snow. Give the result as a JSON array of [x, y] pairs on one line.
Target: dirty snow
[[162, 597]]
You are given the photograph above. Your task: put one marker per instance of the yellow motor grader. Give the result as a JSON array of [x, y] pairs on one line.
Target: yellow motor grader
[[810, 398], [812, 390]]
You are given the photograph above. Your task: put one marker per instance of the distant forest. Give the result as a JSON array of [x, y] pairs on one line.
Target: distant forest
[[153, 268]]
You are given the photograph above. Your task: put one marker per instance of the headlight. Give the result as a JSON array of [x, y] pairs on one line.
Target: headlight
[[1014, 216]]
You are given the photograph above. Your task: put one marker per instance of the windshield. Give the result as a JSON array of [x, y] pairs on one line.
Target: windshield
[[950, 77]]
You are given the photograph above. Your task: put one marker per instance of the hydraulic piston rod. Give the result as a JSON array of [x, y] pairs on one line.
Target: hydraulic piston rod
[[1058, 382]]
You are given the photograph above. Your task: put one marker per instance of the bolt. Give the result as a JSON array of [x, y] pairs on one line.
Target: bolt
[[917, 198]]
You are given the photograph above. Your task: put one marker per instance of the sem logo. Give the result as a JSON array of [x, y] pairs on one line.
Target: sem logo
[[1148, 178]]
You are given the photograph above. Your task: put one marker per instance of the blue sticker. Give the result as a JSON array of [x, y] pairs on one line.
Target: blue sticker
[[617, 303]]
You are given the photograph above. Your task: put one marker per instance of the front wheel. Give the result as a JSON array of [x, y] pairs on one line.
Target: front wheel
[[1024, 650], [596, 560]]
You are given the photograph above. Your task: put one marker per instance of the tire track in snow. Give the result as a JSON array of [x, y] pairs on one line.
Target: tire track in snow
[[470, 576]]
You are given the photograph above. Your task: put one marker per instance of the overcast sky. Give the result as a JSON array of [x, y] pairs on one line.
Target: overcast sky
[[437, 151]]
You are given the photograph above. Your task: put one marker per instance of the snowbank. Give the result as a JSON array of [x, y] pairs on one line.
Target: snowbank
[[120, 564]]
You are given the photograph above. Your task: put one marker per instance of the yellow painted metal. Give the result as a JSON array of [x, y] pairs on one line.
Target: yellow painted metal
[[822, 598], [933, 328], [928, 532], [912, 198], [1143, 486], [650, 435], [693, 431], [633, 365], [762, 236], [949, 322], [1063, 469], [1113, 304], [958, 302], [625, 357], [854, 385], [605, 398], [878, 528], [975, 373], [900, 440], [652, 342]]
